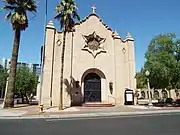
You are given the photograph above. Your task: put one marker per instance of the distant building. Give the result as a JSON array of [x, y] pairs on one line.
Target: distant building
[[5, 63], [36, 68]]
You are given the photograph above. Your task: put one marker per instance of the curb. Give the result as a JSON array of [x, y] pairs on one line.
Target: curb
[[90, 115]]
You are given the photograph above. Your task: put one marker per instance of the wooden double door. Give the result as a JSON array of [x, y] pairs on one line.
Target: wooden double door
[[92, 88]]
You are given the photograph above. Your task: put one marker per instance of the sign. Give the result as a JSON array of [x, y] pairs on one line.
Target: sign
[[129, 97]]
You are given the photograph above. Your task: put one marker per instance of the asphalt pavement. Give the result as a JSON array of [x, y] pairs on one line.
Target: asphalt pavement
[[154, 124]]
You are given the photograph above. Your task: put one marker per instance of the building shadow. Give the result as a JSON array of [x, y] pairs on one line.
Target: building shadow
[[73, 89]]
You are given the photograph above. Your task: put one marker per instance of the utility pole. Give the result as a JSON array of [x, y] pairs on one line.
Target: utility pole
[[147, 73], [43, 52]]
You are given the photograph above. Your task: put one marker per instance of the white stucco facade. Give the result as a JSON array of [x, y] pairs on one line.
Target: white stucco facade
[[113, 61]]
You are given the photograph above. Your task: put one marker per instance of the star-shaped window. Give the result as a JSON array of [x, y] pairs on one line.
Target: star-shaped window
[[94, 44]]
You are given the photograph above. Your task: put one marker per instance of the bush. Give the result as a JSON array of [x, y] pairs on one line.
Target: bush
[[160, 103], [169, 101], [178, 101]]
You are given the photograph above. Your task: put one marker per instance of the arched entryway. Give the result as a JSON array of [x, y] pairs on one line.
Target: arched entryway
[[92, 88], [143, 95], [164, 94], [156, 94]]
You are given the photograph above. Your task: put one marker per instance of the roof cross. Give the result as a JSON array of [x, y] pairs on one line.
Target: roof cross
[[93, 8]]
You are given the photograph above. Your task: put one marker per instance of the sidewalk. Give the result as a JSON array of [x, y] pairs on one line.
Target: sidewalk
[[33, 111], [11, 112]]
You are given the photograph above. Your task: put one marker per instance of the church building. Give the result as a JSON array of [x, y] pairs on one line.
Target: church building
[[98, 67]]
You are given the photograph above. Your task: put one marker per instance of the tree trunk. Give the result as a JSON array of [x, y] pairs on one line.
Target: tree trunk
[[62, 71], [9, 96], [22, 97], [27, 99]]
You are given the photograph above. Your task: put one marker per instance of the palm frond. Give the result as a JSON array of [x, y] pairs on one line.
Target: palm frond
[[76, 16], [7, 16], [61, 24], [10, 2], [66, 14], [6, 7], [18, 14], [31, 6], [59, 9], [63, 3], [58, 17]]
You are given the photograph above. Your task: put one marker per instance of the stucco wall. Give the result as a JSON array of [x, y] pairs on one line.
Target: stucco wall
[[116, 65]]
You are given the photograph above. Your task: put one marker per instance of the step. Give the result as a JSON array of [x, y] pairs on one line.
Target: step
[[98, 105]]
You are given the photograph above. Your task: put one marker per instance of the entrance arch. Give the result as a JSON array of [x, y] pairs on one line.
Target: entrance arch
[[92, 88], [93, 85]]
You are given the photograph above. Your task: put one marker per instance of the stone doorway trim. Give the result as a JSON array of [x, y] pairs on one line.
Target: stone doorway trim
[[103, 81]]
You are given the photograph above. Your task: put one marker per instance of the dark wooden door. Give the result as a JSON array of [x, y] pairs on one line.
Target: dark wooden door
[[92, 88]]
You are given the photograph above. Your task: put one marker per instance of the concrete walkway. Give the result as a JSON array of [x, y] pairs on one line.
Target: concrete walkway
[[11, 113], [33, 111], [89, 115]]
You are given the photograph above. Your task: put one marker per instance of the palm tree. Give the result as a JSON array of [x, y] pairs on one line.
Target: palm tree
[[66, 13], [17, 13]]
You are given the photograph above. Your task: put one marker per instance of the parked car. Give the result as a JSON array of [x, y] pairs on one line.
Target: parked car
[[33, 101]]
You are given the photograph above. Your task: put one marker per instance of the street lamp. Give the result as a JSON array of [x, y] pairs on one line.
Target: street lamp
[[147, 73]]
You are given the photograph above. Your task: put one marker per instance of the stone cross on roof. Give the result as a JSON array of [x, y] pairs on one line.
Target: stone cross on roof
[[93, 8]]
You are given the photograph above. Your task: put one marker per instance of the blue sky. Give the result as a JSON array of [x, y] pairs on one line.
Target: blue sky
[[144, 19]]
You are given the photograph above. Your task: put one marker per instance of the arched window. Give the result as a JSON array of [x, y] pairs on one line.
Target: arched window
[[164, 94], [143, 95], [156, 94], [177, 92]]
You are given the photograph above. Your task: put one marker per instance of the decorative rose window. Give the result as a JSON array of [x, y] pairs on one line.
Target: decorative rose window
[[94, 44]]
